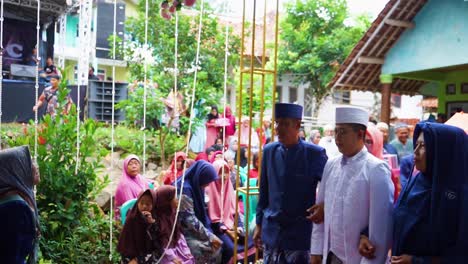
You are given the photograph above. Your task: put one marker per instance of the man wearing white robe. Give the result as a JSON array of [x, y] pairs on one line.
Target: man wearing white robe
[[357, 193], [328, 142]]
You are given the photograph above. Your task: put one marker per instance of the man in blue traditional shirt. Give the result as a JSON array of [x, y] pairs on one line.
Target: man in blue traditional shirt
[[291, 169]]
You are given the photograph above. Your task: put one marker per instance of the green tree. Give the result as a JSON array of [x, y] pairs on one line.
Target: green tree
[[258, 96], [161, 44], [315, 39]]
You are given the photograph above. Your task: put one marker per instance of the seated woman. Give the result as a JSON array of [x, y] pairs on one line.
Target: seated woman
[[176, 169], [253, 173], [222, 211], [138, 243], [217, 155], [19, 222], [206, 156], [243, 157], [429, 219], [165, 210], [194, 222], [230, 153], [131, 183], [218, 145]]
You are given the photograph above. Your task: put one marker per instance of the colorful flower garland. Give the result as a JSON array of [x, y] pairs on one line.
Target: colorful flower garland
[[169, 7]]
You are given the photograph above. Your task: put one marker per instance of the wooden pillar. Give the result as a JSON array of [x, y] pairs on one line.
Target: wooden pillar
[[386, 81]]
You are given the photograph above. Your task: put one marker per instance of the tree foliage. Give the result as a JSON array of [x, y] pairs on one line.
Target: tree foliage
[[161, 47], [316, 38], [160, 53]]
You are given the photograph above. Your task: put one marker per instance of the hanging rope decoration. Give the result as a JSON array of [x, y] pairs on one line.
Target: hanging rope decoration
[[169, 7], [176, 72], [111, 211], [83, 64], [36, 85], [197, 61], [1, 68], [226, 57], [145, 77]]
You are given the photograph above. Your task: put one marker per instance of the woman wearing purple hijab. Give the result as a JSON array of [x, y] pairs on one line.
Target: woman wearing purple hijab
[[131, 183]]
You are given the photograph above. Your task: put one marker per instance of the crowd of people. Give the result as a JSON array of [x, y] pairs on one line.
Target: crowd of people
[[350, 195], [335, 198]]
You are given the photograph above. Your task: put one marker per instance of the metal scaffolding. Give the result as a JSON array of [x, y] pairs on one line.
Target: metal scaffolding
[[62, 39], [250, 68], [46, 5]]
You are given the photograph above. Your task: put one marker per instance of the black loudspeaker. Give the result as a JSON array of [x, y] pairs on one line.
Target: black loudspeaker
[[105, 27], [19, 98], [100, 100]]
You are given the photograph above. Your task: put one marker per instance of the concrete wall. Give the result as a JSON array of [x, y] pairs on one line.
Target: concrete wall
[[121, 73], [439, 39], [409, 106], [457, 78], [438, 83], [72, 29], [131, 8]]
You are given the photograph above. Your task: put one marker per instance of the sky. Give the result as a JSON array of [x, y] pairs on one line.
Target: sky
[[366, 6], [356, 7]]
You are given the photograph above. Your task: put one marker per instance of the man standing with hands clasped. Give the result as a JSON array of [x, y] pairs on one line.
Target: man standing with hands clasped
[[358, 194], [291, 169]]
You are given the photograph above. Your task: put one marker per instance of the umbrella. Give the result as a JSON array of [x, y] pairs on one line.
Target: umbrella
[[459, 120]]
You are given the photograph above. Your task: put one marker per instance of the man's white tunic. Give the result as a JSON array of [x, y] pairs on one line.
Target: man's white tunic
[[358, 194]]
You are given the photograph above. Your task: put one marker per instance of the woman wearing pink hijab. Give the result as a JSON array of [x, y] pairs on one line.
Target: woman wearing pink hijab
[[131, 183], [374, 144], [246, 131], [222, 210], [374, 141]]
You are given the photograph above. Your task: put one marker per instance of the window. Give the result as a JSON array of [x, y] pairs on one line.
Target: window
[[292, 95], [342, 97], [278, 93], [101, 74]]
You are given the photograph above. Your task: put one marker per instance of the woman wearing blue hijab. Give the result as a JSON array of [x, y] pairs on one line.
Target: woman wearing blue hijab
[[431, 215], [19, 223], [193, 218]]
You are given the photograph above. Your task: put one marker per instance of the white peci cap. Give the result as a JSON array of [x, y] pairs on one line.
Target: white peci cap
[[351, 115]]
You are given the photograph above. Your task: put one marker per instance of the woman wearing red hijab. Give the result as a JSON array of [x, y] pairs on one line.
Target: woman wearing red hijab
[[176, 169]]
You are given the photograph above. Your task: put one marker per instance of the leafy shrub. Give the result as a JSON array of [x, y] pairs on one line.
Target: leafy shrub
[[73, 229]]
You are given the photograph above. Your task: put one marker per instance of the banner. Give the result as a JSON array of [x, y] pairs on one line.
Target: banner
[[19, 38]]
